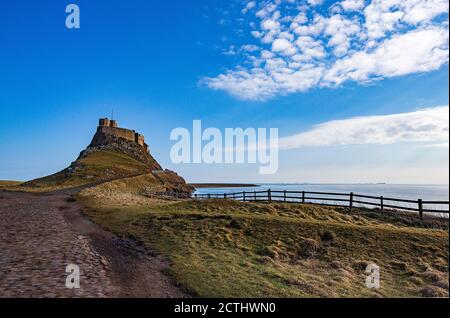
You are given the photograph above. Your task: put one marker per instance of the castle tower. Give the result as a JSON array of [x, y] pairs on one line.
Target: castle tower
[[104, 122], [140, 139], [108, 130]]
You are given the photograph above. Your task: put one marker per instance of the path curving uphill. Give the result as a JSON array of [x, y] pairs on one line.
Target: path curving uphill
[[40, 234]]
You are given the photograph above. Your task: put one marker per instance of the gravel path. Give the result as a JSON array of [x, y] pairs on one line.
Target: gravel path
[[41, 234]]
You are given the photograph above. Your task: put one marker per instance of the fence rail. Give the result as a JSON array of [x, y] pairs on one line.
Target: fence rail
[[350, 200]]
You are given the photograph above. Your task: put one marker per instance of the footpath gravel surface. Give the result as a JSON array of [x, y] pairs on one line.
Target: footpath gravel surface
[[40, 235]]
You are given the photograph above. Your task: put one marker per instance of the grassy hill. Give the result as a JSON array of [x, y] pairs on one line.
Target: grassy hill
[[232, 249], [220, 248], [9, 183], [114, 168], [98, 166]]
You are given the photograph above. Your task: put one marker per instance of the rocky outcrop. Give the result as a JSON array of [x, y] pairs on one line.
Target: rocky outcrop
[[114, 153], [174, 184], [111, 142], [109, 137]]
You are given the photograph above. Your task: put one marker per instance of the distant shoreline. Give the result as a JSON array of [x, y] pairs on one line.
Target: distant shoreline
[[223, 185]]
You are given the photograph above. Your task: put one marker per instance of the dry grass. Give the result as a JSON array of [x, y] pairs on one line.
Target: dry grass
[[223, 248], [127, 191], [9, 183], [97, 167], [118, 171]]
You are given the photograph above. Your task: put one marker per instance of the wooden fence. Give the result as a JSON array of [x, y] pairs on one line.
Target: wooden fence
[[349, 200]]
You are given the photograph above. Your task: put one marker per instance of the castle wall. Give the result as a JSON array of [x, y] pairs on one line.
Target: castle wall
[[104, 122], [109, 127], [140, 139], [121, 140], [118, 132]]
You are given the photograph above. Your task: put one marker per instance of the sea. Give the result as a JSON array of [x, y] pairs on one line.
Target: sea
[[426, 192], [412, 192]]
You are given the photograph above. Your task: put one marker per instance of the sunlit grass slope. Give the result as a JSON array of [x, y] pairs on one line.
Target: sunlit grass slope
[[9, 183], [231, 249], [96, 167]]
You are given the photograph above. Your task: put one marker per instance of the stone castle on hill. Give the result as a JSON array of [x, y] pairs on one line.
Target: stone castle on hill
[[109, 136], [110, 127], [99, 162]]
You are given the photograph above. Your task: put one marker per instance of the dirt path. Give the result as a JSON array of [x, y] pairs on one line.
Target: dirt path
[[41, 234]]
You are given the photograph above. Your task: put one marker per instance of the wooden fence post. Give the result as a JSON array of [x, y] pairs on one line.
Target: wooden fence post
[[351, 201], [247, 197], [420, 202]]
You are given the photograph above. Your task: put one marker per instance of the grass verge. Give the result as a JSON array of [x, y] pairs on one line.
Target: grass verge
[[232, 249]]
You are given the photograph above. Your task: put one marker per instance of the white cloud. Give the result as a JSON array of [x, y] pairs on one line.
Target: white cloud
[[250, 5], [267, 9], [397, 56], [256, 34], [340, 30], [314, 2], [302, 48], [264, 83], [230, 51], [430, 125], [270, 25], [316, 27], [300, 18], [283, 46], [423, 10], [352, 5], [383, 16], [311, 49], [249, 48]]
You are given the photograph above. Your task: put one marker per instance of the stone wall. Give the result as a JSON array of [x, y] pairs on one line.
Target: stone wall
[[140, 139], [104, 122], [110, 127], [129, 142], [118, 132]]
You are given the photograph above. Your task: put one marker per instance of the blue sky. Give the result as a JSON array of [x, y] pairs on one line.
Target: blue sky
[[161, 65]]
